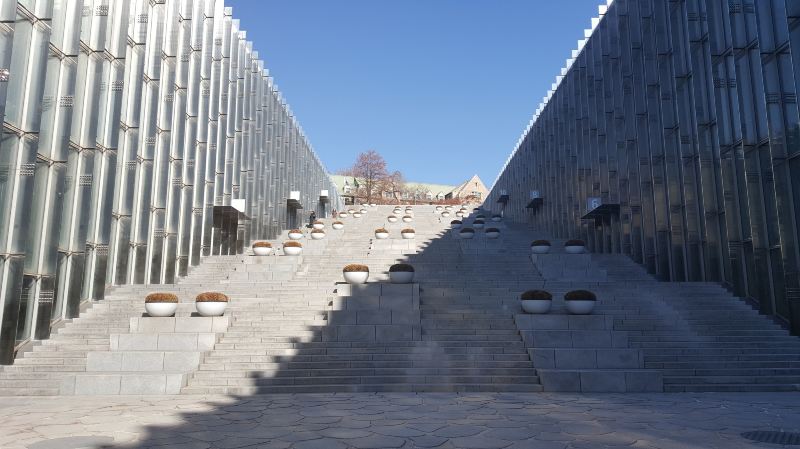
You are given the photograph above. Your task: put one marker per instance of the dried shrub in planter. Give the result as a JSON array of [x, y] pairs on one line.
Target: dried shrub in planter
[[212, 297], [454, 222], [338, 222], [580, 295], [575, 242], [536, 295], [540, 243], [401, 267], [262, 244], [295, 231], [161, 297], [317, 231], [292, 244], [407, 231], [467, 231], [355, 268], [381, 230], [492, 230]]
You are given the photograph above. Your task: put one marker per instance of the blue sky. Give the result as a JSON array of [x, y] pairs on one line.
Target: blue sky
[[441, 88]]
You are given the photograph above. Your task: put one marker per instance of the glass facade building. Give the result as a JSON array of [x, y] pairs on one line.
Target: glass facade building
[[138, 136], [672, 135]]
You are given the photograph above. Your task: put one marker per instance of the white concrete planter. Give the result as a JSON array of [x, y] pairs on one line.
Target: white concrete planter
[[391, 219], [372, 205], [540, 249], [363, 211], [356, 277], [492, 235], [317, 235], [477, 225], [343, 215], [580, 307], [337, 226], [439, 208], [161, 309], [536, 305], [456, 226], [445, 214], [262, 251], [381, 235], [466, 235], [408, 235], [408, 219], [401, 277], [460, 214], [448, 208], [216, 308], [295, 235], [496, 219], [292, 250], [357, 215], [575, 249], [318, 226]]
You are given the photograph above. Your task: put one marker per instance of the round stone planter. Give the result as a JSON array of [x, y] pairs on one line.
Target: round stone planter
[[408, 219], [391, 219], [466, 235], [492, 235], [448, 208], [338, 226], [356, 214], [292, 250], [408, 235], [540, 249], [580, 307], [211, 308], [356, 277], [363, 211], [575, 249], [401, 277], [439, 208], [295, 235], [496, 219], [381, 235], [536, 305], [372, 205], [445, 214], [460, 214], [477, 225], [318, 226], [317, 235], [342, 214], [456, 226], [161, 309], [262, 251]]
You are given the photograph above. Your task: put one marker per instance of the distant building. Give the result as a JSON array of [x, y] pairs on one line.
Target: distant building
[[351, 189]]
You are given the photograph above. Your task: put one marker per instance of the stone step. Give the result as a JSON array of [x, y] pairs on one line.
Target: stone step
[[447, 387]]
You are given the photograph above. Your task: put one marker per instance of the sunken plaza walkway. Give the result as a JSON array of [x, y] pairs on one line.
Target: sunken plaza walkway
[[302, 360]]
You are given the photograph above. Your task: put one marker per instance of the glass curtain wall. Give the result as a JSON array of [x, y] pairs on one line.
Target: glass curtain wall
[[127, 124], [672, 136]]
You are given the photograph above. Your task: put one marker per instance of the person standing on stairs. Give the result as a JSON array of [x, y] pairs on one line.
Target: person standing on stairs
[[311, 219]]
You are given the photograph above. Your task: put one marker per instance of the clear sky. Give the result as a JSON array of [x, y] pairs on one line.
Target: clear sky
[[441, 88]]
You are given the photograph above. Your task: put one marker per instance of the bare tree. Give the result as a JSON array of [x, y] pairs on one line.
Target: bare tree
[[370, 173], [395, 184]]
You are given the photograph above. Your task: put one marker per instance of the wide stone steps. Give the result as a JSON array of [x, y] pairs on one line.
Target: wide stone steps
[[404, 387]]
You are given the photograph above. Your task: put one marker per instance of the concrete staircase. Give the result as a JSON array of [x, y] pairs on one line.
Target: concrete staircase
[[293, 326]]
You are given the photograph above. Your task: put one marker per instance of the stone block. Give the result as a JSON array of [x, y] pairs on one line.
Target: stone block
[[644, 381], [340, 317], [555, 380], [591, 339], [142, 361], [590, 322], [406, 317], [596, 381], [543, 358], [143, 384], [177, 342], [575, 358], [134, 342], [365, 333], [97, 384], [181, 361], [389, 333], [374, 317], [398, 302], [618, 358], [103, 361], [552, 339]]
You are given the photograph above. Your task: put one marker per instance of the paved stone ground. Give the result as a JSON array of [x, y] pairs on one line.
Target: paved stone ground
[[338, 421]]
